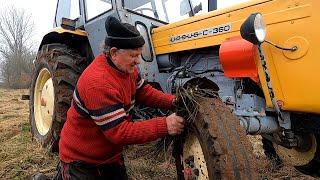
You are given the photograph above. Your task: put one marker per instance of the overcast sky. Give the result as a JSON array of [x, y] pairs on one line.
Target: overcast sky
[[42, 12]]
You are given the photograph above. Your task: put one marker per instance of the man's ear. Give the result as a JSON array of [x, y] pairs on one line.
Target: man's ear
[[113, 52]]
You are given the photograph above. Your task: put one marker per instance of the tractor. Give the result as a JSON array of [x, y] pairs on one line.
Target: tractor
[[258, 55]]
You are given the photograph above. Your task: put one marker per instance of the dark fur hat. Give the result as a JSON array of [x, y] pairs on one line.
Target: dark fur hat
[[122, 35]]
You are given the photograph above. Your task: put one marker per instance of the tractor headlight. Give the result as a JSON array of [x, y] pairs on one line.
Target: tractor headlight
[[254, 29]]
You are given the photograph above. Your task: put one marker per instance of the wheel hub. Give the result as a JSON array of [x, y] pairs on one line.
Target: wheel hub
[[297, 156], [194, 163], [43, 101]]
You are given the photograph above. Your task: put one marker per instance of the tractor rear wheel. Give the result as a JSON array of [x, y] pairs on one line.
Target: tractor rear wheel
[[57, 70], [216, 146]]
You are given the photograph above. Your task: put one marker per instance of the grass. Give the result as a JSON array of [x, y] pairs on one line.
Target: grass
[[19, 157], [17, 108], [143, 165], [9, 116]]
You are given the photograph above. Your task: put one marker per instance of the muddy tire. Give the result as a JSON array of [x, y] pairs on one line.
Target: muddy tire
[[216, 147], [57, 70]]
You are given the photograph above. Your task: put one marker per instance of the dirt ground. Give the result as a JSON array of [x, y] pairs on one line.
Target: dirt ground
[[20, 157]]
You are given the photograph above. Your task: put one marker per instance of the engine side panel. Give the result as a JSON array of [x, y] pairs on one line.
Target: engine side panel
[[294, 75]]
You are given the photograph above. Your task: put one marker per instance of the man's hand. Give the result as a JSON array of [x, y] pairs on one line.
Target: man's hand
[[175, 124]]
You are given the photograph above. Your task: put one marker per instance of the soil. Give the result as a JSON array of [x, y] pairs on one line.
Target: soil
[[20, 157]]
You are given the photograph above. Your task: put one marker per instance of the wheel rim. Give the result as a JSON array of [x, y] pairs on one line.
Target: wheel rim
[[294, 156], [43, 101], [193, 158]]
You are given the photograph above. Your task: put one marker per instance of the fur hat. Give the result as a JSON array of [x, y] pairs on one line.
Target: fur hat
[[122, 35]]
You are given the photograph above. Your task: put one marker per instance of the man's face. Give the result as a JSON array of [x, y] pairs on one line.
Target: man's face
[[126, 59]]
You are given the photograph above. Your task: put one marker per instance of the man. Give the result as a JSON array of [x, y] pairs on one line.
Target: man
[[99, 122]]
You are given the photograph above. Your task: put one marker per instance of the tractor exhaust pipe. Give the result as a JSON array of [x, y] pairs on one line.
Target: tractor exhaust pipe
[[259, 125]]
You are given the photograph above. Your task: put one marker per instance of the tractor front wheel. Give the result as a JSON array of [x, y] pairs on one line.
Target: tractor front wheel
[[216, 147], [306, 160]]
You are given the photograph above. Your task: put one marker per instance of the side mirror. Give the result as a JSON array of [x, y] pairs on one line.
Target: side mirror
[[253, 29]]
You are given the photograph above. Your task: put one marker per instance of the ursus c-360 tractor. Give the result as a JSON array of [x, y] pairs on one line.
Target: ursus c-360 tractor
[[260, 56]]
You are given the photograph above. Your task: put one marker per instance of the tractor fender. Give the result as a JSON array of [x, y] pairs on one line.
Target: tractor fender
[[76, 39], [202, 82]]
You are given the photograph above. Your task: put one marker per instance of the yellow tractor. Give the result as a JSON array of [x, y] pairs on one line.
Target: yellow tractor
[[258, 55]]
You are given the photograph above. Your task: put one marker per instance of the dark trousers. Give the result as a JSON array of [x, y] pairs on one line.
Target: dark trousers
[[80, 170]]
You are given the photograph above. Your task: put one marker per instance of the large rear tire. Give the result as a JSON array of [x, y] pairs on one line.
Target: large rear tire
[[57, 70], [216, 146]]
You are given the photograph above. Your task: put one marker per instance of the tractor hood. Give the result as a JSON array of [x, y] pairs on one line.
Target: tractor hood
[[207, 29]]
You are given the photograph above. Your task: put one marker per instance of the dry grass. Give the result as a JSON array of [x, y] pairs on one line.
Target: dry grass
[[142, 164], [268, 169], [20, 158]]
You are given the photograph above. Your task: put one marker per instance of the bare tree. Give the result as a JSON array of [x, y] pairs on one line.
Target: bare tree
[[16, 47]]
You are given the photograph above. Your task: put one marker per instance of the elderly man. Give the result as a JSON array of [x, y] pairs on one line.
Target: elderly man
[[99, 122]]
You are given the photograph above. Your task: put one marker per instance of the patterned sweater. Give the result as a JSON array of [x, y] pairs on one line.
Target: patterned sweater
[[99, 122]]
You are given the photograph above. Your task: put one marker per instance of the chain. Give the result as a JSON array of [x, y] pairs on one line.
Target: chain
[[269, 83]]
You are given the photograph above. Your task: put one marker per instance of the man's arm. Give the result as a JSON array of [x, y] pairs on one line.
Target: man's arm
[[106, 110], [152, 97]]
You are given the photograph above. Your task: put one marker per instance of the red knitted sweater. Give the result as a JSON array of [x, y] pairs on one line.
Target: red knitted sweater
[[99, 122]]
